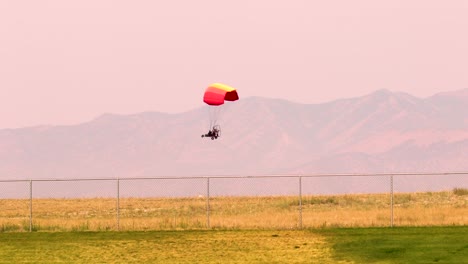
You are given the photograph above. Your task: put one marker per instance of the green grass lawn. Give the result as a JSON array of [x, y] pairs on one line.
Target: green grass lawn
[[330, 245], [400, 245]]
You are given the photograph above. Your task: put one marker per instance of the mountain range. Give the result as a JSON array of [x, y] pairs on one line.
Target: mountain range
[[380, 132]]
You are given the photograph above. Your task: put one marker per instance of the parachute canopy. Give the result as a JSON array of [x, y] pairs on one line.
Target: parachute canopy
[[217, 93]]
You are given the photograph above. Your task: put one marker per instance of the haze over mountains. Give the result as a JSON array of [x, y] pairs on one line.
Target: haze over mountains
[[381, 132]]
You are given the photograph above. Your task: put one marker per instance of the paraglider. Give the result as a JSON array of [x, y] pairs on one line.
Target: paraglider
[[213, 133], [215, 96]]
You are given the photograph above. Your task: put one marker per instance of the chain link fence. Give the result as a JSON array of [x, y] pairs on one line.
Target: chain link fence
[[233, 202]]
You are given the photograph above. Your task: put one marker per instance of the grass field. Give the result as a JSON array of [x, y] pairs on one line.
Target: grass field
[[277, 212], [400, 245], [322, 245]]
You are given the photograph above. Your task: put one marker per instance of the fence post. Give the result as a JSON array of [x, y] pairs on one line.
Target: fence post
[[391, 200], [300, 202], [208, 202], [30, 206], [118, 204]]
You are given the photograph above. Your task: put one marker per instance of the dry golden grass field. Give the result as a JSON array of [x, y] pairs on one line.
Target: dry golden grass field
[[271, 212]]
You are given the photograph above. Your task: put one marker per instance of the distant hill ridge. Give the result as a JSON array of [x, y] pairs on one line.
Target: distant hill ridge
[[381, 132]]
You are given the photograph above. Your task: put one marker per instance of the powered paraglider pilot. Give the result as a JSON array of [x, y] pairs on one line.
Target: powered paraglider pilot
[[215, 95], [213, 133]]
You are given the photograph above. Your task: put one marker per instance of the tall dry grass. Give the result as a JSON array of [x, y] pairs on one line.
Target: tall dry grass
[[358, 210]]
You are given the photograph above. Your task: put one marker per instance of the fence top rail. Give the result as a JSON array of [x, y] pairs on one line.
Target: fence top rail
[[241, 176]]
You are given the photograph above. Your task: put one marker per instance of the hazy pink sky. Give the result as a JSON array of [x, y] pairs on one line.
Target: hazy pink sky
[[66, 62]]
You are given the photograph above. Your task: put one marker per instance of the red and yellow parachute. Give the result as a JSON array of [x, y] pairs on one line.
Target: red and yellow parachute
[[215, 96], [217, 93]]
